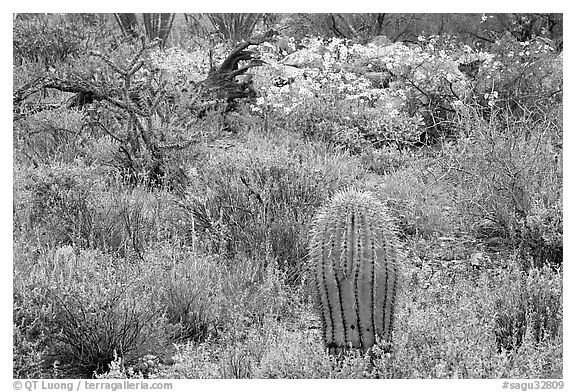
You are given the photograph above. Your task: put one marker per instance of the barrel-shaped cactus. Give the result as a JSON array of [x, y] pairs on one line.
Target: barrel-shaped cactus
[[355, 260]]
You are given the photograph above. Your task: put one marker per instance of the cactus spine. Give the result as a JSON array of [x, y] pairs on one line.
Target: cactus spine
[[355, 254]]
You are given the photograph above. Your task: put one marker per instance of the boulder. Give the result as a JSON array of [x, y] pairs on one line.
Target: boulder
[[380, 40], [303, 58], [379, 79], [383, 51], [487, 228]]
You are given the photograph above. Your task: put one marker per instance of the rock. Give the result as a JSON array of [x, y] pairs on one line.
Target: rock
[[495, 242], [379, 79], [477, 260], [150, 357], [380, 40], [264, 76], [488, 228], [302, 59], [384, 51], [168, 361], [141, 368], [65, 256]]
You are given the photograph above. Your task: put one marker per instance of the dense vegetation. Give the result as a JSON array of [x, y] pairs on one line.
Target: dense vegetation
[[167, 169]]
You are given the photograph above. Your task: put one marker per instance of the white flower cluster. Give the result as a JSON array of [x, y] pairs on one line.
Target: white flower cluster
[[192, 66]]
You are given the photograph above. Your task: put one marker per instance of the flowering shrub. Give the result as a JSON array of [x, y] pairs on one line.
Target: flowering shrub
[[430, 79], [322, 71], [420, 87], [520, 74], [402, 90], [183, 66], [187, 66], [330, 82]]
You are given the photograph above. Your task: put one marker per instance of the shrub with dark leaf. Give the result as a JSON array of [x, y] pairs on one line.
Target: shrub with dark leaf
[[85, 306]]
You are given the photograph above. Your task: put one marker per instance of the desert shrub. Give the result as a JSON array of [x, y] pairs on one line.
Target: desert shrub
[[273, 350], [187, 286], [353, 126], [257, 197], [421, 203], [55, 203], [512, 175], [135, 218], [90, 306], [206, 297], [453, 324], [529, 307], [291, 354], [85, 309], [46, 38], [32, 316], [330, 98], [217, 311], [27, 354], [541, 238], [432, 339], [48, 137], [31, 326], [510, 321], [385, 160], [523, 77], [72, 204], [253, 291], [49, 41]]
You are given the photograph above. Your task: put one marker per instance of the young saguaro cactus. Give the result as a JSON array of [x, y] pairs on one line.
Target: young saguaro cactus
[[355, 256]]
